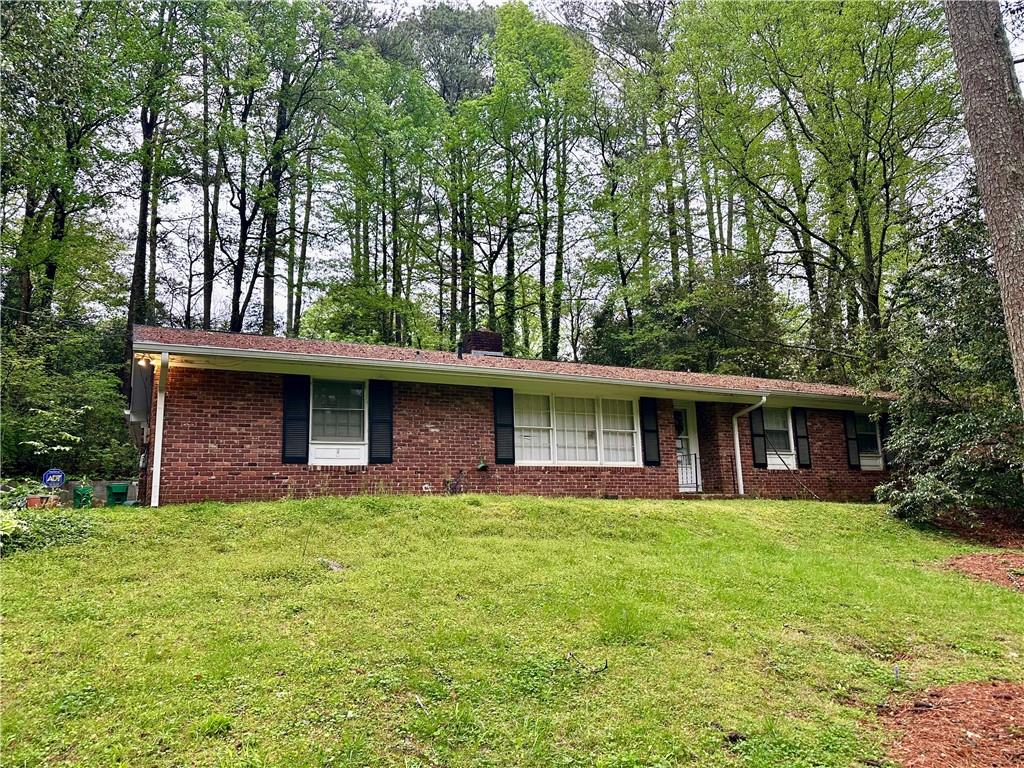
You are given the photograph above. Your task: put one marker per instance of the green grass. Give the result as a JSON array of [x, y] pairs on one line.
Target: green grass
[[215, 634]]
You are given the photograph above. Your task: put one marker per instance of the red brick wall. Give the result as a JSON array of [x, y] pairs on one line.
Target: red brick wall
[[829, 476], [222, 441]]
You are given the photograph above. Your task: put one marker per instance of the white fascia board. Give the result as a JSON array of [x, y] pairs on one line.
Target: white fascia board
[[398, 367]]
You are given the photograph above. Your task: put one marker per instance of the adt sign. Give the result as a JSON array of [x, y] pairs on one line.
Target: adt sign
[[53, 478]]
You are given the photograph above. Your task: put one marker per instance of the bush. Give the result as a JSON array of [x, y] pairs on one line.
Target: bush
[[956, 437], [13, 493], [62, 401], [38, 528]]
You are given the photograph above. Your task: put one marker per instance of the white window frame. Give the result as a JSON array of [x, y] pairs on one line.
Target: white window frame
[[550, 429], [871, 461], [782, 460], [331, 453], [553, 429]]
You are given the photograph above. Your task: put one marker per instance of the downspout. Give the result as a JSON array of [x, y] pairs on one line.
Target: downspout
[[736, 440], [158, 434]]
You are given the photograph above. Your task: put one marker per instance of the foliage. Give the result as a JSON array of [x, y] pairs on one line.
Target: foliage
[[42, 527], [957, 438], [13, 493], [704, 185], [62, 402], [352, 312], [704, 330], [178, 623]]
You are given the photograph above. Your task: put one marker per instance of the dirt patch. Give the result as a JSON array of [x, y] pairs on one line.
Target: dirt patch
[[991, 528], [1003, 568], [968, 725]]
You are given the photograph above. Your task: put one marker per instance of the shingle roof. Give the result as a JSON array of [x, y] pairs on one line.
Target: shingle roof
[[148, 337]]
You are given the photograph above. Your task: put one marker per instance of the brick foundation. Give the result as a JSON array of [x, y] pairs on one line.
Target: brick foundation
[[223, 433]]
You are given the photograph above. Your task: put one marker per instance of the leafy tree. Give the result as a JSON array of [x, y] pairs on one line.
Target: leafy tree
[[957, 439]]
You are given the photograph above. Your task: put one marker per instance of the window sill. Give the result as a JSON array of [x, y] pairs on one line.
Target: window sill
[[871, 462], [782, 462], [595, 464], [338, 454]]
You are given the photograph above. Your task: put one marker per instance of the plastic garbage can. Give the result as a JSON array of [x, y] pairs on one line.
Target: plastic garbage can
[[117, 494]]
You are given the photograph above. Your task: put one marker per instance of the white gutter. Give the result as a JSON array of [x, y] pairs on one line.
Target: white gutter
[[736, 440], [144, 346], [158, 436]]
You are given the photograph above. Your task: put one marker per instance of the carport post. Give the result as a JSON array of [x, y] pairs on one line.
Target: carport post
[[158, 436]]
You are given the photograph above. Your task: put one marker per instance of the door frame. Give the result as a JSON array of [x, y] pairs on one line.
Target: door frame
[[689, 407]]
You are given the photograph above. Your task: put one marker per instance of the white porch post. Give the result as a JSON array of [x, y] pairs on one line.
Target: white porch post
[[158, 435]]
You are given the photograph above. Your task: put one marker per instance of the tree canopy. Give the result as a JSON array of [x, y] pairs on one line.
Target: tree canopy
[[707, 185]]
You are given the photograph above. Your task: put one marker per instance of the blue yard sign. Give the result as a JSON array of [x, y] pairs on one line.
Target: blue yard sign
[[53, 478]]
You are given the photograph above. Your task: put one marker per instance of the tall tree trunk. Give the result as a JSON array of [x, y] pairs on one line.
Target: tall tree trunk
[[670, 207], [542, 236], [209, 201], [644, 214], [396, 258], [137, 294], [466, 260], [709, 214], [154, 220], [27, 240], [994, 112], [557, 281], [58, 229], [684, 187], [454, 200], [511, 211], [277, 169], [292, 235], [300, 280]]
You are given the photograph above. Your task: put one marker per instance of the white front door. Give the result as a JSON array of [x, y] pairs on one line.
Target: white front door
[[687, 459]]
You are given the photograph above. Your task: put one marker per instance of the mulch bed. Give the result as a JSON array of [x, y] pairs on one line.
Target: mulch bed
[[991, 528], [1003, 568], [968, 725]]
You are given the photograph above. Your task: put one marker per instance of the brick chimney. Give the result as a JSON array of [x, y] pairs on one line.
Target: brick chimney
[[482, 342]]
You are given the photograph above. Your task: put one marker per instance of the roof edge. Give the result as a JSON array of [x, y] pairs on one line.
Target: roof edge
[[146, 345]]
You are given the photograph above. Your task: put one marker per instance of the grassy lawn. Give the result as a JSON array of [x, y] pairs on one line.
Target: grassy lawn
[[214, 635]]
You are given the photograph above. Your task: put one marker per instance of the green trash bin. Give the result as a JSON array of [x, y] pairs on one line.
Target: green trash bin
[[117, 494], [82, 497]]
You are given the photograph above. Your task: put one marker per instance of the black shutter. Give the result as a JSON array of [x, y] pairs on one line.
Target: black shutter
[[649, 431], [295, 442], [504, 427], [803, 444], [852, 449], [883, 433], [760, 445], [381, 413]]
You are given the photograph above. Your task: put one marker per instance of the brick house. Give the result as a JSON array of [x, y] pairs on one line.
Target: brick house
[[240, 417]]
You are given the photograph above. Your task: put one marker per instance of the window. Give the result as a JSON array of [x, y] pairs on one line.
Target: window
[[575, 430], [618, 430], [337, 412], [776, 431], [867, 434], [533, 428]]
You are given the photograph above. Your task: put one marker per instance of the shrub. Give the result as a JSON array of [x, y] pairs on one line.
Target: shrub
[[956, 434], [38, 528], [14, 493]]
